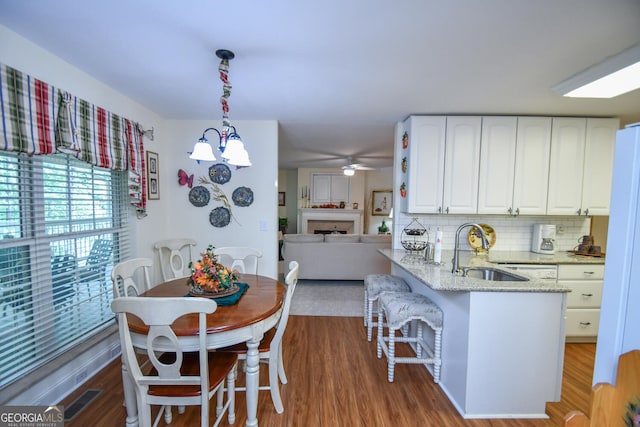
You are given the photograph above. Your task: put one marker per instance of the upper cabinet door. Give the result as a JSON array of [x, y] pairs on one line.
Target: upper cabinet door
[[330, 188], [425, 165], [566, 167], [340, 188], [531, 176], [497, 163], [598, 165], [462, 161], [321, 189]]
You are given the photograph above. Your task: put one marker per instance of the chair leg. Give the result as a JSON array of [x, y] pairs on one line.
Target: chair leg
[[437, 352], [419, 337], [168, 416], [274, 385], [364, 318], [370, 319], [391, 359], [380, 327]]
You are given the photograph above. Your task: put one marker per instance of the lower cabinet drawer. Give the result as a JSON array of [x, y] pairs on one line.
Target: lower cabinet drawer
[[582, 322], [584, 294]]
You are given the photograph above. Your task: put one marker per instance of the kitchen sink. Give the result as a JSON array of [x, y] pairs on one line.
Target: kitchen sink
[[492, 274]]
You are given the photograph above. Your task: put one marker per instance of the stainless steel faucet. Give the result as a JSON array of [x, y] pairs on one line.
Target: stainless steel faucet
[[456, 258]]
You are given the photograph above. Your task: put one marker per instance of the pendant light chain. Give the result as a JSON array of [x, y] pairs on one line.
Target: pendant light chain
[[226, 92]]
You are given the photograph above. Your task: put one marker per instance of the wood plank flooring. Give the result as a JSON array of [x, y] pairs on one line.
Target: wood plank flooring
[[335, 379]]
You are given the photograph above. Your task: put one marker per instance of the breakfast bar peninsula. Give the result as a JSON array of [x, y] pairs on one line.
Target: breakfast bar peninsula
[[502, 340]]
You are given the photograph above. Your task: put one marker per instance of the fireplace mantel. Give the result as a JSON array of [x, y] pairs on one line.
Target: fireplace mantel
[[319, 214]]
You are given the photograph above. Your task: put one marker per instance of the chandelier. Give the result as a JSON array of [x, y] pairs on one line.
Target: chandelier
[[230, 144]]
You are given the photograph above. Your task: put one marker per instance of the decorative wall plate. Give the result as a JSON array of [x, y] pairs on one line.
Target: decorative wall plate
[[199, 196], [242, 196], [220, 173], [475, 241], [220, 217]]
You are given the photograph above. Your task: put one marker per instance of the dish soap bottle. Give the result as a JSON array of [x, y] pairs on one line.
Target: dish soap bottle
[[437, 250]]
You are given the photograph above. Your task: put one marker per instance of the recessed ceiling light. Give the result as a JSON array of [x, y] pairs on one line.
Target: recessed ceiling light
[[614, 76]]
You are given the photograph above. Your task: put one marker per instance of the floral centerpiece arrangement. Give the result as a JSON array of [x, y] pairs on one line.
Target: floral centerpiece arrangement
[[209, 276]]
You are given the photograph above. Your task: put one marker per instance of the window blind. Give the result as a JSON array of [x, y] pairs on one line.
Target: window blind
[[63, 225]]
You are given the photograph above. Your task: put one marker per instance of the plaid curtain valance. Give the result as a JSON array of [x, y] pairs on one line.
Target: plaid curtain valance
[[38, 119]]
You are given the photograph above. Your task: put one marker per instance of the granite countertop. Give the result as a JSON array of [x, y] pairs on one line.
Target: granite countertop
[[440, 278]]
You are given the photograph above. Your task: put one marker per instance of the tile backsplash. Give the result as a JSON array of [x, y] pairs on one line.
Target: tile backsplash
[[512, 233]]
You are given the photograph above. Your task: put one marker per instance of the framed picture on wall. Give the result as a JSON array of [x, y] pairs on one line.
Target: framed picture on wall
[[281, 198], [381, 202], [153, 176]]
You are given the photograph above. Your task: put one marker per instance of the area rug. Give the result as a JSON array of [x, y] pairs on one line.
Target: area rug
[[328, 298]]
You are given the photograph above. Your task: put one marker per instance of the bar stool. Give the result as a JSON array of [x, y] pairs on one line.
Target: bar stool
[[400, 309], [374, 285]]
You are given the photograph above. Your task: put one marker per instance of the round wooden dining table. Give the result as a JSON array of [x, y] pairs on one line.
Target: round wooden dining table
[[257, 311]]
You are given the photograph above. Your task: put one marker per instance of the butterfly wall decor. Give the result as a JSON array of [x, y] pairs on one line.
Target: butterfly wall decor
[[185, 179]]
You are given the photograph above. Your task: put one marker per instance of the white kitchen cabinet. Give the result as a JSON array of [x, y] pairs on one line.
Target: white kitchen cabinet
[[497, 165], [514, 165], [531, 176], [443, 156], [328, 188], [566, 167], [598, 165], [462, 163], [583, 302], [581, 166], [425, 164]]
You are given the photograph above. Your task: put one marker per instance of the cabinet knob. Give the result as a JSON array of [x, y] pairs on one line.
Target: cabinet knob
[[510, 211], [587, 295], [447, 210], [586, 211], [439, 209], [589, 272], [517, 211], [579, 211], [585, 323]]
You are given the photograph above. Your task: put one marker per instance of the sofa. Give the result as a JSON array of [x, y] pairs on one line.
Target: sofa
[[337, 256]]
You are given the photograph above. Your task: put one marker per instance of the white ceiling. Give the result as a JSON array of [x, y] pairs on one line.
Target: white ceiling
[[338, 74]]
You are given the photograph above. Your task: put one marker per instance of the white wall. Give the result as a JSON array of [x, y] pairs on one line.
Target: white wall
[[376, 180], [255, 225]]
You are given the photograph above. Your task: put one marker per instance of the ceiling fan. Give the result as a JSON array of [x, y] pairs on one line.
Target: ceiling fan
[[350, 168]]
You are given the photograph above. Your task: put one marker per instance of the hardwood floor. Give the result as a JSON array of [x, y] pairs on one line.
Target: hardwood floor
[[335, 379]]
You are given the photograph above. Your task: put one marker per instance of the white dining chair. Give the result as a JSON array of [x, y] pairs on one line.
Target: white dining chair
[[270, 347], [178, 377], [174, 256], [241, 258], [131, 277]]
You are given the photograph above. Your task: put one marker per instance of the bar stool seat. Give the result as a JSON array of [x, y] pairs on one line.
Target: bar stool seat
[[400, 309], [374, 285]]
